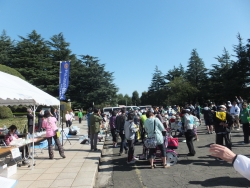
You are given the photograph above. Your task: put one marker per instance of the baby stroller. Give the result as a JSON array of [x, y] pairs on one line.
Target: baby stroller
[[176, 126], [171, 154]]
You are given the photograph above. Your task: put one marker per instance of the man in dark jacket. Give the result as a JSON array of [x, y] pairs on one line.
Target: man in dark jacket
[[119, 124], [30, 121], [223, 122], [208, 118]]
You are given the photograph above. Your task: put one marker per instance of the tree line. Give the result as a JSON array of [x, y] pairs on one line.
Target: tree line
[[225, 80], [36, 60]]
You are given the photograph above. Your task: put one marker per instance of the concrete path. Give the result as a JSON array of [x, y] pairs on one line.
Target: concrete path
[[78, 170]]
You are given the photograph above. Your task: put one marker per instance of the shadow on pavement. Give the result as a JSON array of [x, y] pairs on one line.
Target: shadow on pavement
[[222, 181], [204, 163]]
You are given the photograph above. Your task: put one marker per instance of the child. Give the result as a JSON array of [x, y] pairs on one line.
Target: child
[[130, 130]]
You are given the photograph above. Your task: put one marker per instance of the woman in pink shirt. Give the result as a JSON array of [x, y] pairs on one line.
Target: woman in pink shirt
[[49, 123]]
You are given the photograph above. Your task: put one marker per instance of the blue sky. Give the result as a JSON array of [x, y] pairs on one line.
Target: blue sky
[[132, 37]]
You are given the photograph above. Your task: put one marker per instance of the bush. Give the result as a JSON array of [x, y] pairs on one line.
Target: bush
[[11, 71], [5, 112]]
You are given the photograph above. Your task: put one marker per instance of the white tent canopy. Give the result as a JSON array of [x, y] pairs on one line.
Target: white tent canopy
[[15, 91]]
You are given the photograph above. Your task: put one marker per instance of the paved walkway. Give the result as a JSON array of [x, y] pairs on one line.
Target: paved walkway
[[78, 169]]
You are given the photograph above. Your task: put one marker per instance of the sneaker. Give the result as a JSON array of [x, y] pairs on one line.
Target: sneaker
[[25, 162], [208, 133], [62, 155], [135, 159], [131, 162], [237, 129], [120, 153], [126, 151], [195, 139], [243, 143], [184, 141], [211, 133], [189, 154]]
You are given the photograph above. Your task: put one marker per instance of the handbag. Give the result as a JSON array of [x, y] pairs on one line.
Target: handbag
[[173, 143], [151, 142], [58, 134]]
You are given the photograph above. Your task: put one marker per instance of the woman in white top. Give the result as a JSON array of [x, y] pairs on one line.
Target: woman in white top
[[189, 132], [68, 119]]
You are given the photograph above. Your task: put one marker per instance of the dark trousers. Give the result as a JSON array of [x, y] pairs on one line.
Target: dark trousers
[[142, 134], [113, 132], [39, 126], [246, 130], [80, 120], [30, 129], [50, 146], [68, 123], [189, 141], [93, 140], [161, 147], [219, 140], [25, 151], [131, 149], [123, 141]]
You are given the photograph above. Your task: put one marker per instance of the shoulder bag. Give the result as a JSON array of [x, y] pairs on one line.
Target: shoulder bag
[[151, 142]]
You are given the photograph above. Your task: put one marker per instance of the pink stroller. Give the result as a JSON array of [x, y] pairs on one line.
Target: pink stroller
[[171, 154]]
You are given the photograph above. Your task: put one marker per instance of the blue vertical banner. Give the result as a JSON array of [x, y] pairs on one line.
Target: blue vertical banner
[[64, 79]]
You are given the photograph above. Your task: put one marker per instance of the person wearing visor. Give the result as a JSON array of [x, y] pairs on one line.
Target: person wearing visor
[[223, 122]]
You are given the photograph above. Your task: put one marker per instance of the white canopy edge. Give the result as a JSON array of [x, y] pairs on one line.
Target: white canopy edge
[[16, 91]]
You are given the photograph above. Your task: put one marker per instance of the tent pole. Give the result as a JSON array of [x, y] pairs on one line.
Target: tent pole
[[33, 133]]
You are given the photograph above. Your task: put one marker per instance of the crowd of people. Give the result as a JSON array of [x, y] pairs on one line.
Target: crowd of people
[[129, 125], [135, 126]]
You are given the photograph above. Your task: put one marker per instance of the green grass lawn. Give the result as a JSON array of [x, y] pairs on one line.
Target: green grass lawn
[[20, 122]]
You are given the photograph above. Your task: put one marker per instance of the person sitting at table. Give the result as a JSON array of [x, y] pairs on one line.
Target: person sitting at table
[[49, 123], [13, 136]]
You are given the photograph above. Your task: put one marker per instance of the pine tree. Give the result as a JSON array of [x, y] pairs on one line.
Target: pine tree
[[60, 51], [135, 98], [158, 81], [32, 59], [196, 72], [219, 80], [6, 49], [240, 72], [96, 84], [175, 72]]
